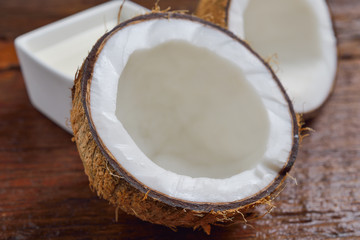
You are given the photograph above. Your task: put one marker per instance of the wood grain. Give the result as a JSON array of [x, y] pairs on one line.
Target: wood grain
[[44, 193]]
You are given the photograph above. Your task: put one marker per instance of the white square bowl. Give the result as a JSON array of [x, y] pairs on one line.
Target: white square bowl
[[50, 56]]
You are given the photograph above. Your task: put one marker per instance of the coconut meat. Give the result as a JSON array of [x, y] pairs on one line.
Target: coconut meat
[[189, 111], [299, 37]]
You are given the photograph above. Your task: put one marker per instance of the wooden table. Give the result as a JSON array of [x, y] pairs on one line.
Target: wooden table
[[44, 192]]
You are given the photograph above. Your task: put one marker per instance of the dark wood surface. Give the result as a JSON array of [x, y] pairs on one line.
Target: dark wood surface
[[44, 192]]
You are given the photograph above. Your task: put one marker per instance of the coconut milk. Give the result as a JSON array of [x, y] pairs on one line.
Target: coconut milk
[[66, 56]]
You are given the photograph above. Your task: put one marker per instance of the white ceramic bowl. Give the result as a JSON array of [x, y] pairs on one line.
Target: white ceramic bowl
[[50, 56]]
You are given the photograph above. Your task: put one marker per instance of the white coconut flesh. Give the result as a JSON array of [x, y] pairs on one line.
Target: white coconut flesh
[[299, 35], [190, 112]]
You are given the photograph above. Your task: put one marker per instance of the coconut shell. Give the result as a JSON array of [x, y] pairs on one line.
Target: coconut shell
[[113, 183], [217, 11]]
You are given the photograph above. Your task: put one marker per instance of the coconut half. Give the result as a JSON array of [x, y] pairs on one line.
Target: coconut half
[[298, 35], [179, 122]]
